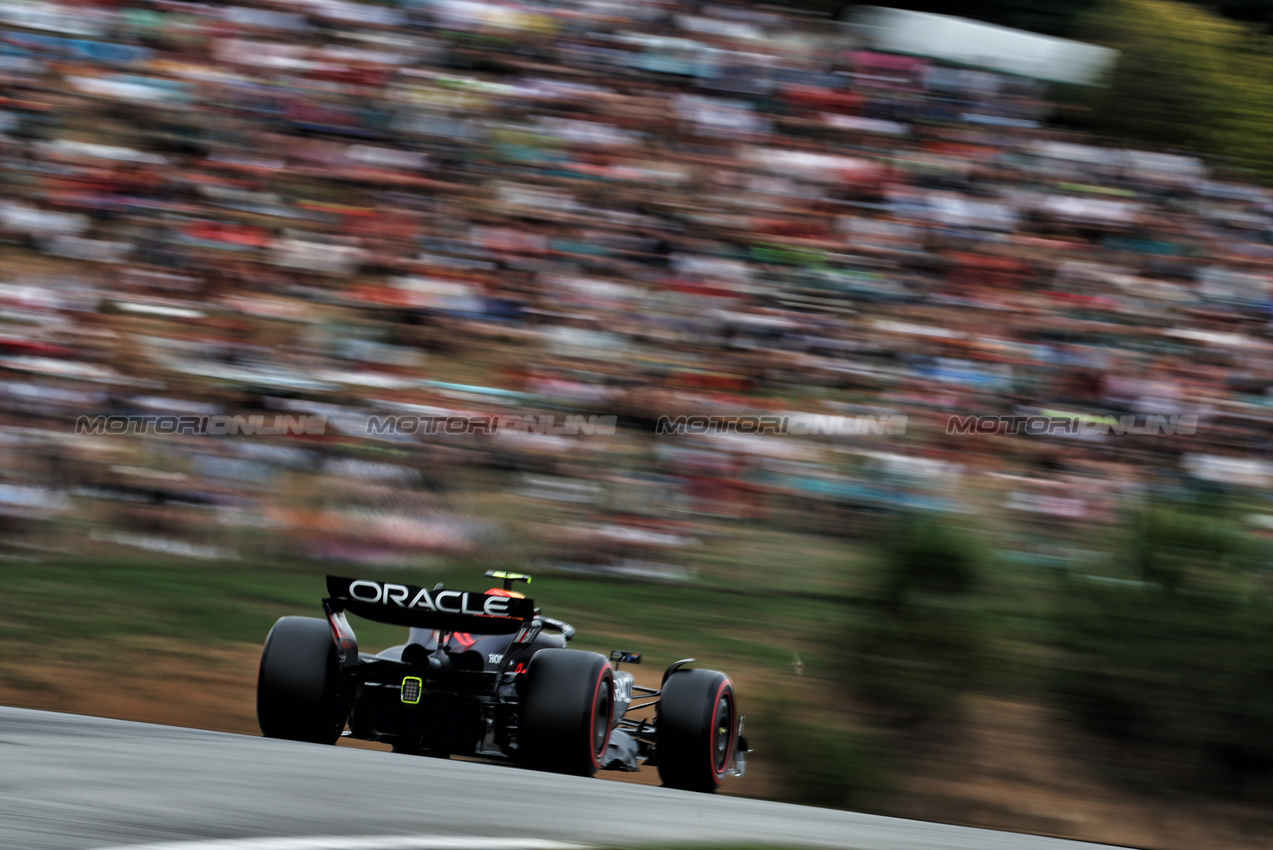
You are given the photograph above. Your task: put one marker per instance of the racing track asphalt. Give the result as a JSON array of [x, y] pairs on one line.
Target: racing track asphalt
[[69, 782]]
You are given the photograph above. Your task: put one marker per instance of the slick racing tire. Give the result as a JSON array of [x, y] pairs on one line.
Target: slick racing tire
[[567, 711], [297, 689], [697, 730]]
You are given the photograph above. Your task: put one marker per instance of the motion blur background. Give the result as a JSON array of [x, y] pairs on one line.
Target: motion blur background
[[659, 208]]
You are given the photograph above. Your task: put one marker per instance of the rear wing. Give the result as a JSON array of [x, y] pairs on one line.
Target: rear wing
[[418, 607]]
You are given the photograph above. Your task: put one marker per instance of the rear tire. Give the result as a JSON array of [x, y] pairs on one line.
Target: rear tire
[[697, 730], [567, 711], [297, 688]]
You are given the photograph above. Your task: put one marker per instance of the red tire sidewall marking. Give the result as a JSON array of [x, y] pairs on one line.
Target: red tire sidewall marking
[[719, 775], [592, 718]]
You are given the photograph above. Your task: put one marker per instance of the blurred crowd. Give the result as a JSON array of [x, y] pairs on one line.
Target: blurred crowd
[[447, 207]]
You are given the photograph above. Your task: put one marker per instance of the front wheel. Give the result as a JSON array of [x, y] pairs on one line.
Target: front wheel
[[697, 731], [567, 711], [297, 688]]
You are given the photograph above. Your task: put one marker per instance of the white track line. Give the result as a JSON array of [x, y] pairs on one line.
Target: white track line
[[373, 842]]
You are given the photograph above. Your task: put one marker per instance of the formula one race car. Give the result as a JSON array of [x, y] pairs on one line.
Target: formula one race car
[[485, 674]]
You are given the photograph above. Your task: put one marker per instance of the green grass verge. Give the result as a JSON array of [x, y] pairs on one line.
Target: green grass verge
[[119, 601]]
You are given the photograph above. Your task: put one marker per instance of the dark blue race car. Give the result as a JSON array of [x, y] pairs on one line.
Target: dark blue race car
[[486, 674]]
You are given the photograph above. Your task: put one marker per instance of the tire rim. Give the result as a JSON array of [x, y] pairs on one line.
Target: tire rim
[[601, 721], [722, 732]]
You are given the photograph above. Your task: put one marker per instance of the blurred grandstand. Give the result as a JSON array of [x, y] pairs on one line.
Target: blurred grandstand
[[645, 209]]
